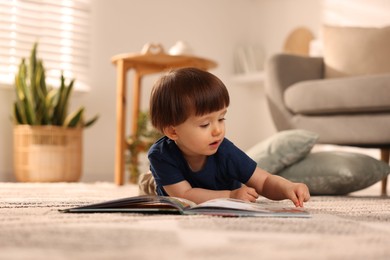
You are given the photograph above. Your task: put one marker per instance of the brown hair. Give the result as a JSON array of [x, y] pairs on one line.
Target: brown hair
[[185, 92]]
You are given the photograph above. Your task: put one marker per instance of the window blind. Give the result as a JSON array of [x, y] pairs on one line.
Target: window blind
[[61, 29]]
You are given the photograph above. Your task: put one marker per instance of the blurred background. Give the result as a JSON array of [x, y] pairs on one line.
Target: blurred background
[[240, 35]]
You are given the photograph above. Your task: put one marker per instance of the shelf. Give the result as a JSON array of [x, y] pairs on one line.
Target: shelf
[[249, 78]]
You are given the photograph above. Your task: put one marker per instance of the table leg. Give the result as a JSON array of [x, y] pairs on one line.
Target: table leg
[[121, 123], [385, 154], [136, 102]]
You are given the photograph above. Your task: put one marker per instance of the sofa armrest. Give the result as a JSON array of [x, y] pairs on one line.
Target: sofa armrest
[[287, 69], [281, 71]]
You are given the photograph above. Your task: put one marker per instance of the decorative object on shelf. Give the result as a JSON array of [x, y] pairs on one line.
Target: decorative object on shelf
[[180, 48], [47, 140], [255, 79], [140, 142], [152, 48], [248, 59]]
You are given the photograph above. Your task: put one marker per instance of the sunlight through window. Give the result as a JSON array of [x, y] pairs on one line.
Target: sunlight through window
[[60, 27]]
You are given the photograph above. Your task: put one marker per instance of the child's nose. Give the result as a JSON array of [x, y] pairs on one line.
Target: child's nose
[[217, 129]]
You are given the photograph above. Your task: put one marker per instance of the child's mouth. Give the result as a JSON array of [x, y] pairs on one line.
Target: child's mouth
[[214, 143]]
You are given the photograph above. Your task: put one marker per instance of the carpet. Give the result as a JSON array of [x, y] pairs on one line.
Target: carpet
[[341, 227]]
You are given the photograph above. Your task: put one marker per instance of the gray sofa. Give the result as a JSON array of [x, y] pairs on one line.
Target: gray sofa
[[344, 96], [345, 111], [349, 110]]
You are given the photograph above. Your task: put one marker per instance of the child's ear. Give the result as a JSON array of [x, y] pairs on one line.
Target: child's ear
[[170, 132]]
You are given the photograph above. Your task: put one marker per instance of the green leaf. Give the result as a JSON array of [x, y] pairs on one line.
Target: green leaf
[[67, 94], [73, 119], [32, 70], [50, 100], [91, 121], [59, 103], [18, 117], [18, 86], [28, 105], [61, 107], [41, 93]]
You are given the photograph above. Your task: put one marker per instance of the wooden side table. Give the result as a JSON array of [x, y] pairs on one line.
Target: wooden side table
[[151, 60]]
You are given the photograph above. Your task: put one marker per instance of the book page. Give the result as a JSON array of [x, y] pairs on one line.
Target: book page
[[232, 204], [234, 207], [143, 203]]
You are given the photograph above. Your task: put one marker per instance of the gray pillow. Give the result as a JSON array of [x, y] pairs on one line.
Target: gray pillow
[[336, 173], [282, 149]]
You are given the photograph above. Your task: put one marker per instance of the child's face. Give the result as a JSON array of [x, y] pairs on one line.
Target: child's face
[[201, 135]]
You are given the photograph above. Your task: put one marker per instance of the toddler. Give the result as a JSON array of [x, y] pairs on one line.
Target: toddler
[[194, 160]]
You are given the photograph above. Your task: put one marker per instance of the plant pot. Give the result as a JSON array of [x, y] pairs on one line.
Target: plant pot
[[47, 153]]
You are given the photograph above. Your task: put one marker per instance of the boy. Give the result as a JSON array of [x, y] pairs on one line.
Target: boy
[[194, 160]]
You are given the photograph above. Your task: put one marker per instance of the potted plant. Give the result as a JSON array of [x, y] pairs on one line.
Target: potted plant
[[47, 140]]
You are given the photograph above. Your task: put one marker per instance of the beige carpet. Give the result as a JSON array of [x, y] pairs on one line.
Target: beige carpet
[[350, 227]]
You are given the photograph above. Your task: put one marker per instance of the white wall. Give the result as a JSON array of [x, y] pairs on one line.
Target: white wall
[[6, 98], [213, 29], [364, 13]]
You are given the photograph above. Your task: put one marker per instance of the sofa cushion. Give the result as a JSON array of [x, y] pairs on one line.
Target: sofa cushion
[[282, 149], [361, 94], [351, 51], [336, 173]]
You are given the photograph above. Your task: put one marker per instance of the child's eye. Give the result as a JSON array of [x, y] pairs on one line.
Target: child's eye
[[222, 119], [204, 125]]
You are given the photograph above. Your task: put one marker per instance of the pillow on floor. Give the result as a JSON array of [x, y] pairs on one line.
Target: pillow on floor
[[282, 149], [336, 173]]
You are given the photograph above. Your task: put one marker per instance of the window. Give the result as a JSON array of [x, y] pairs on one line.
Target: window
[[61, 29]]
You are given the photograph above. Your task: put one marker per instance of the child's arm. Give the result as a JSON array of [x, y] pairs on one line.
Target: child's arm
[[198, 195], [277, 188]]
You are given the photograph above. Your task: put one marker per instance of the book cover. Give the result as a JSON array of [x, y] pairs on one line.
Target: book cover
[[171, 205]]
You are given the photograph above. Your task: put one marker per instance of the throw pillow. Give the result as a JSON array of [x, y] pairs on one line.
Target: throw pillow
[[336, 173], [282, 149], [353, 51]]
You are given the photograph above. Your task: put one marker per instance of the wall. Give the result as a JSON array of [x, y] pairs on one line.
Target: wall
[[212, 28], [6, 98], [362, 13]]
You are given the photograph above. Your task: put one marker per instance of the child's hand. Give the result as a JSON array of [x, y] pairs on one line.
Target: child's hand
[[298, 193], [244, 193]]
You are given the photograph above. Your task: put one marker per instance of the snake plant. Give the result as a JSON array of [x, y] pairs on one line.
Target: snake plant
[[38, 104]]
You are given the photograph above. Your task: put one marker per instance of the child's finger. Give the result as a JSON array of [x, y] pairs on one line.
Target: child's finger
[[303, 196], [254, 193], [294, 199], [301, 199]]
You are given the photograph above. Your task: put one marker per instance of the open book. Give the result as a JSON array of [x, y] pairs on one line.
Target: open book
[[171, 205]]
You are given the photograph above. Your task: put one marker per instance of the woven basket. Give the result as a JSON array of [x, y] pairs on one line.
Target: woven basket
[[47, 153]]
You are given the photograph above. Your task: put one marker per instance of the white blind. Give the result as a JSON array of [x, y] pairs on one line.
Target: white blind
[[61, 28]]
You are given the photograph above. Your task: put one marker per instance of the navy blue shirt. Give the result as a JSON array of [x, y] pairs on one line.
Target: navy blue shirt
[[227, 169]]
